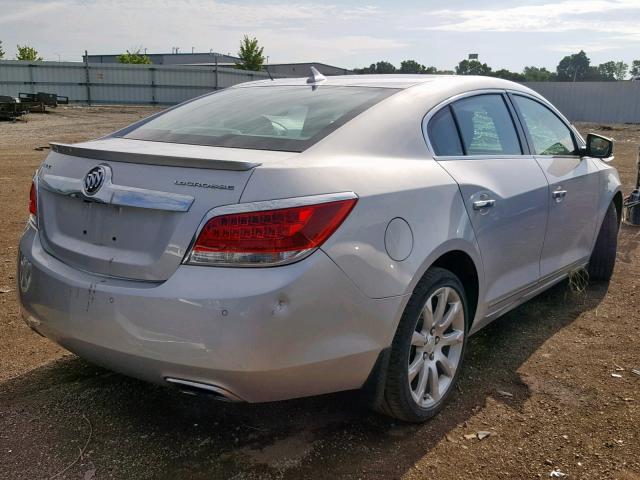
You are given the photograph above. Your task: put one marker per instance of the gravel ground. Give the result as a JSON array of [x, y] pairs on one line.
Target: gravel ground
[[539, 380]]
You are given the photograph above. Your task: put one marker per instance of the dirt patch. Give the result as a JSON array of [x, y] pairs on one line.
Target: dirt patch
[[539, 380]]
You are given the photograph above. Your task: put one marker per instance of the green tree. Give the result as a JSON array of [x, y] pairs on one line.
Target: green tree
[[385, 67], [537, 74], [472, 67], [136, 56], [379, 67], [607, 71], [250, 54], [26, 52], [1, 50], [635, 68], [411, 66], [573, 68], [620, 70], [508, 75], [407, 66], [594, 74], [364, 70]]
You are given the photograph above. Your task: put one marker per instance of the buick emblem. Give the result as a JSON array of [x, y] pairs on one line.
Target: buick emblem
[[94, 179]]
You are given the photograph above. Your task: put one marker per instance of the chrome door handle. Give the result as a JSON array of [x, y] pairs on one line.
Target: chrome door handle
[[481, 204], [559, 195]]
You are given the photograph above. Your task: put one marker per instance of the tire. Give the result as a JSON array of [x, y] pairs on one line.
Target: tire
[[603, 257], [402, 398]]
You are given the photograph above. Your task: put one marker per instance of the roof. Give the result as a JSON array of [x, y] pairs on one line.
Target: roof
[[399, 81]]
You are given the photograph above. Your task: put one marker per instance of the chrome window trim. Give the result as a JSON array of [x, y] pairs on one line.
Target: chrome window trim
[[446, 103], [118, 195], [500, 91], [480, 157], [261, 206]]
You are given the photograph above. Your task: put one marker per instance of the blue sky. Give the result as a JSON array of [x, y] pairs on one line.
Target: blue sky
[[506, 34]]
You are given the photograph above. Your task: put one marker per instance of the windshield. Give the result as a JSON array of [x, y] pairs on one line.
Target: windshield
[[288, 118]]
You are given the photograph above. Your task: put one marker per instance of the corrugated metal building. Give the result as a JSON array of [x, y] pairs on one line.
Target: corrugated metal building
[[212, 58], [173, 58], [303, 69], [98, 83]]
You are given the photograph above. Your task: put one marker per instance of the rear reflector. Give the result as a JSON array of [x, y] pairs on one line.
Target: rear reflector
[[268, 237], [33, 200]]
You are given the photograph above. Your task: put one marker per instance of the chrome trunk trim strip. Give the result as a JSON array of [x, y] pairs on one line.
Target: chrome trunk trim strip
[[118, 195]]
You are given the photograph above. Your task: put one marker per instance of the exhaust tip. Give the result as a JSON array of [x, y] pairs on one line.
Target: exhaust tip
[[191, 387]]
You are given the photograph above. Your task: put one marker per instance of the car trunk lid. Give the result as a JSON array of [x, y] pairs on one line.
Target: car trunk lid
[[130, 208]]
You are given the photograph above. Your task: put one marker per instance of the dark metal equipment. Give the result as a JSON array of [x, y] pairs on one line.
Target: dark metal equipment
[[632, 202], [38, 102], [11, 109]]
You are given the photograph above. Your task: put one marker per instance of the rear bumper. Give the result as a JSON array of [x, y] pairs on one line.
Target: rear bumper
[[259, 334]]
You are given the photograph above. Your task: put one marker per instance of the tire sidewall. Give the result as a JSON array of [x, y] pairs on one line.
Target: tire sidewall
[[409, 322]]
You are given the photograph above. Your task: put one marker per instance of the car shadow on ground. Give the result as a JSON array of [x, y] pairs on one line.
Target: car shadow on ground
[[145, 431]]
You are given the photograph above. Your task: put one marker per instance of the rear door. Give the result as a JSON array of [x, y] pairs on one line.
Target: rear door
[[573, 185], [478, 142]]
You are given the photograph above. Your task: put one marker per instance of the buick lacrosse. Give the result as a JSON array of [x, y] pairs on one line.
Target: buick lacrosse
[[287, 238]]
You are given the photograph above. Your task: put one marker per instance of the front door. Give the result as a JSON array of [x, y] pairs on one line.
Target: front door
[[573, 186], [504, 190]]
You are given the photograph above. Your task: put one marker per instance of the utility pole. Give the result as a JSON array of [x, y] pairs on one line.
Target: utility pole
[[216, 77], [87, 76]]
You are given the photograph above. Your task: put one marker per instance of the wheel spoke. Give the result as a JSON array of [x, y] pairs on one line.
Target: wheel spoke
[[427, 316], [436, 346], [415, 367], [448, 368], [453, 338], [442, 296], [422, 382], [454, 308], [418, 339], [434, 387]]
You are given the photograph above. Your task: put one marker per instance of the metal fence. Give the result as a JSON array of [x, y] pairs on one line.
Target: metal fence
[[100, 83], [606, 102]]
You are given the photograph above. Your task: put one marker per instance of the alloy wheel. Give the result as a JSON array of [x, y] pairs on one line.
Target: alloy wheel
[[436, 346]]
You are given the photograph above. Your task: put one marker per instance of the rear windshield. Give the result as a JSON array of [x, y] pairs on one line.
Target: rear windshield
[[288, 118]]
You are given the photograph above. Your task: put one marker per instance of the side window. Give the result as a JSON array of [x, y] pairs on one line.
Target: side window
[[549, 134], [486, 126], [443, 134]]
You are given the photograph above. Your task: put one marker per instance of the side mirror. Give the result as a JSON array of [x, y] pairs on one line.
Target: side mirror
[[598, 146]]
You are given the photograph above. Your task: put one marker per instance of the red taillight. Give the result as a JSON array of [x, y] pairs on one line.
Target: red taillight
[[33, 200], [268, 236]]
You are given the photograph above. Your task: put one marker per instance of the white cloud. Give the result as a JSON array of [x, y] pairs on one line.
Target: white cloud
[[328, 31], [289, 31], [566, 48], [21, 12], [564, 16]]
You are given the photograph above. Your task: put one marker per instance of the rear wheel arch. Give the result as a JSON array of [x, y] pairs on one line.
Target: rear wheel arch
[[462, 266], [391, 394], [617, 202]]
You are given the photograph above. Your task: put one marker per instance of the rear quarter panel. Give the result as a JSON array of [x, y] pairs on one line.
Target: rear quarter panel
[[417, 190]]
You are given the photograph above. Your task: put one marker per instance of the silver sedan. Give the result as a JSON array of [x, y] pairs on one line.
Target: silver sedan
[[295, 237]]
